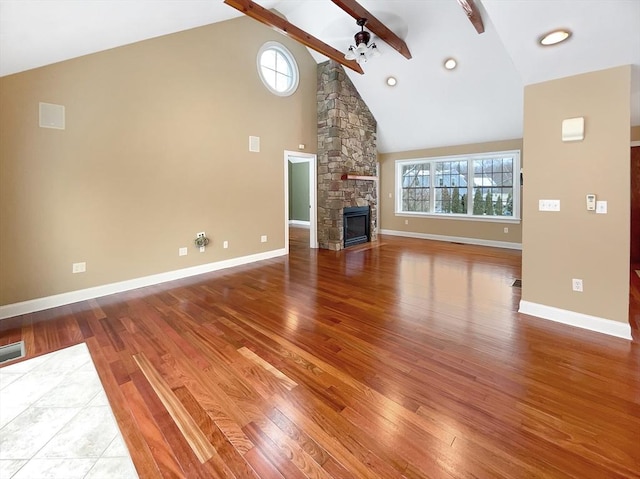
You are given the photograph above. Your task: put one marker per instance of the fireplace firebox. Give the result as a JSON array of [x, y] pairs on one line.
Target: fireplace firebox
[[357, 225]]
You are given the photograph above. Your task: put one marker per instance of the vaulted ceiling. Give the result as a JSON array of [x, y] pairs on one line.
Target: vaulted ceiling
[[481, 100]]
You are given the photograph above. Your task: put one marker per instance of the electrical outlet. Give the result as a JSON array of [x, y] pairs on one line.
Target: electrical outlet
[[406, 222], [577, 284], [263, 238], [506, 229], [225, 244], [182, 251], [79, 267]]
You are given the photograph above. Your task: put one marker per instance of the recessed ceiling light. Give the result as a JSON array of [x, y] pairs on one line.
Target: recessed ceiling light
[[554, 37], [450, 63], [392, 81]]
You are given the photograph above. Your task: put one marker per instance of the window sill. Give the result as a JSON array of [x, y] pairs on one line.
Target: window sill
[[485, 219]]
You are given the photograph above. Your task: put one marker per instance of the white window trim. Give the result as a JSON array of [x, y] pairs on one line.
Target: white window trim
[[470, 158], [292, 62], [452, 216]]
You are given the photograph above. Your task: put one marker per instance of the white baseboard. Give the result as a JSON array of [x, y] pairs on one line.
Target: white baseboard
[[300, 223], [39, 304], [454, 239], [579, 320]]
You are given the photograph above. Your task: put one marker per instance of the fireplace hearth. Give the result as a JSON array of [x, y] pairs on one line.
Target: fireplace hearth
[[357, 225]]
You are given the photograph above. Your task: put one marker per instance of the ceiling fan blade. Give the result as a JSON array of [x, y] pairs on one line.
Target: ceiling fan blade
[[257, 12], [357, 11], [473, 14]]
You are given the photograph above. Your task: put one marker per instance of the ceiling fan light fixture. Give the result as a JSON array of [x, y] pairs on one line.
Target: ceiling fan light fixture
[[363, 49], [450, 63], [554, 37]]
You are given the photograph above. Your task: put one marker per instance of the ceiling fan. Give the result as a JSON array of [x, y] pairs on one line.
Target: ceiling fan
[[357, 11], [363, 49]]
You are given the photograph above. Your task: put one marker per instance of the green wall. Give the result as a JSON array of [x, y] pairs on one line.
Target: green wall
[[299, 191]]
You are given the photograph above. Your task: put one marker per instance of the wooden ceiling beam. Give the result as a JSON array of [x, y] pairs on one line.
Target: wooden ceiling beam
[[261, 14], [378, 28], [473, 14]]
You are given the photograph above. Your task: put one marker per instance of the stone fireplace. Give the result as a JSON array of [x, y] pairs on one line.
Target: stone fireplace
[[347, 145]]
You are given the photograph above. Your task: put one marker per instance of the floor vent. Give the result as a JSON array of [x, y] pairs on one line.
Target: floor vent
[[517, 283], [11, 352]]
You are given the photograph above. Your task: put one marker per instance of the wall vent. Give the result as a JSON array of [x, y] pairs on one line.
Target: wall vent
[[11, 352], [52, 116]]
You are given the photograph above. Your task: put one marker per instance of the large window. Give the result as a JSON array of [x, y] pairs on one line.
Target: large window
[[480, 186]]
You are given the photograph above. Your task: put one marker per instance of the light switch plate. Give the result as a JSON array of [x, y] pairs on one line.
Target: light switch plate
[[601, 207], [548, 205]]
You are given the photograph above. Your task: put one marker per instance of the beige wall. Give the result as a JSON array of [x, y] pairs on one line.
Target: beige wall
[[635, 133], [574, 242], [155, 150], [483, 230]]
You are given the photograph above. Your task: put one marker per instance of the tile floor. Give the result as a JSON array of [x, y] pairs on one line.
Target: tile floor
[[55, 421]]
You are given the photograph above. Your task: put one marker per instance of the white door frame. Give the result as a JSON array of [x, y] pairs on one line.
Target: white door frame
[[313, 196]]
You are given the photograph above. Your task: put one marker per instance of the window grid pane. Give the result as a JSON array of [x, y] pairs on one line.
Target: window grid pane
[[493, 187], [283, 82], [416, 188], [282, 65], [268, 59], [269, 76], [450, 187]]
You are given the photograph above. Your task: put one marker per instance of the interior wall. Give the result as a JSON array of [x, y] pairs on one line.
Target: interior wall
[[635, 133], [482, 230], [574, 242], [155, 150], [299, 191]]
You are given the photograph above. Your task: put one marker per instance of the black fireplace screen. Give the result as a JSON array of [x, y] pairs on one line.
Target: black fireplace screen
[[357, 225]]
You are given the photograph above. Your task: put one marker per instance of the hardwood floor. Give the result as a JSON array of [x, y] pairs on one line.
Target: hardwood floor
[[404, 358]]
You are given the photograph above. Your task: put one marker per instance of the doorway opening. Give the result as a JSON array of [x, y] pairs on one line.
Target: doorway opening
[[300, 193]]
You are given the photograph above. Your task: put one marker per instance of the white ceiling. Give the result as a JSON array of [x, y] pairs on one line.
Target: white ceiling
[[479, 101]]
